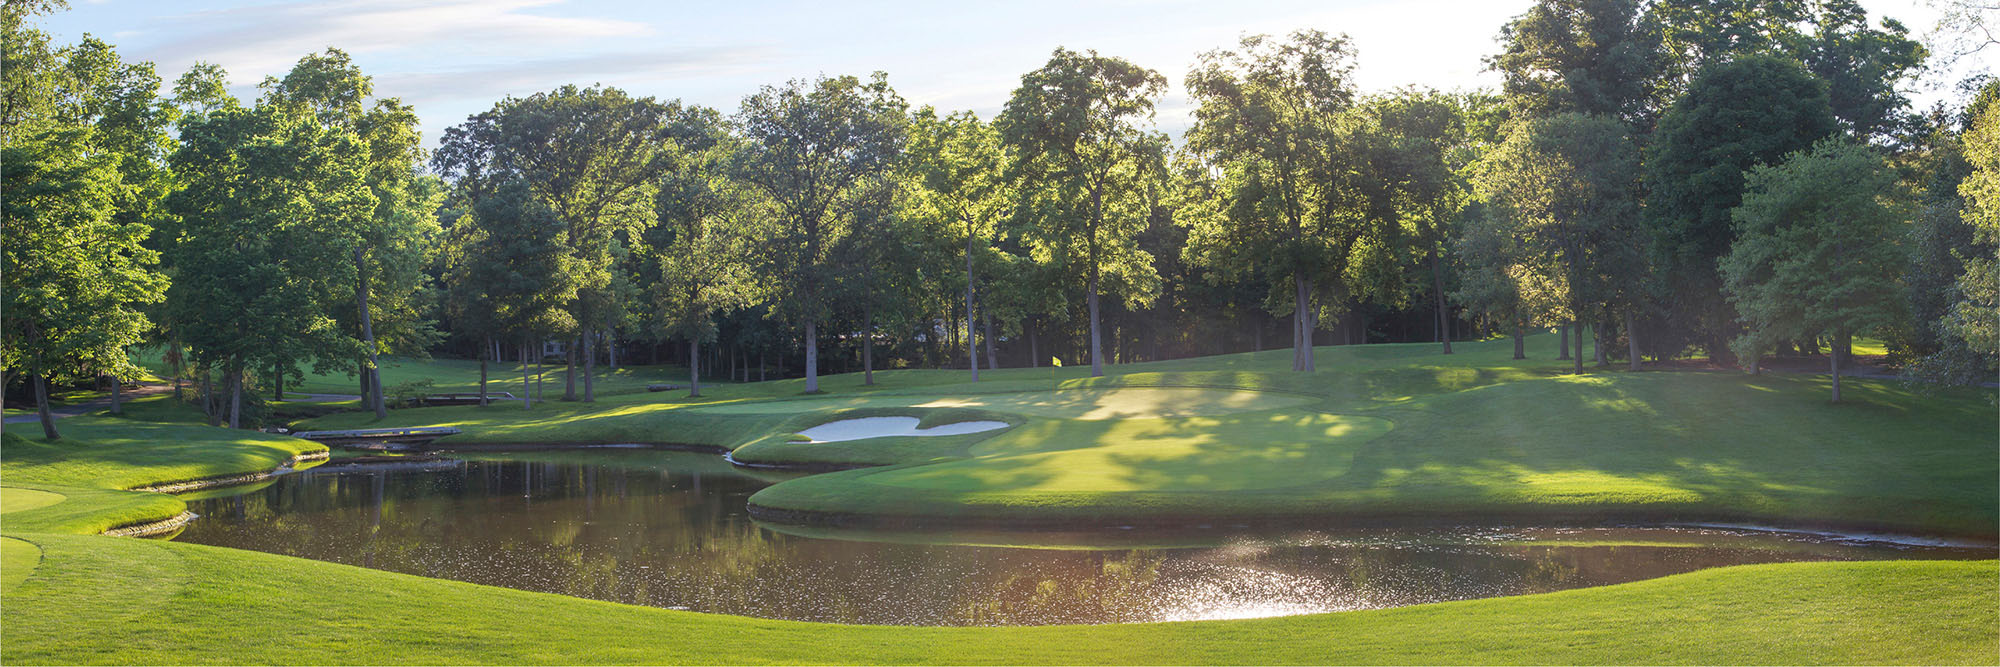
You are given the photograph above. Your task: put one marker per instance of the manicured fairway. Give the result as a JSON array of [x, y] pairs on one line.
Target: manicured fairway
[[18, 559], [1255, 451], [1381, 429], [17, 500], [113, 600]]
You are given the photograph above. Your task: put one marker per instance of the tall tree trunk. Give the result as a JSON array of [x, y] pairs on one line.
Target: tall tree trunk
[[569, 367], [760, 365], [235, 393], [209, 406], [527, 384], [694, 367], [1096, 337], [1302, 324], [42, 412], [366, 384], [1034, 351], [1576, 362], [986, 325], [537, 351], [1599, 341], [178, 371], [1443, 323], [1520, 343], [484, 355], [812, 356], [1562, 349], [368, 334], [117, 396], [1835, 354], [589, 366], [611, 348], [867, 347], [277, 383], [1631, 342], [971, 346]]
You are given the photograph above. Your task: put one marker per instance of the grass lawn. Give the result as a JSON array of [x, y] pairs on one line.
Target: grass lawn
[[111, 600], [1380, 428]]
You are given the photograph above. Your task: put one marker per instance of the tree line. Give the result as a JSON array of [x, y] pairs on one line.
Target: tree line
[[1671, 177]]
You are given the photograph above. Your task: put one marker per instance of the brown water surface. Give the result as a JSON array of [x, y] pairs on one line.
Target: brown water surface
[[669, 529]]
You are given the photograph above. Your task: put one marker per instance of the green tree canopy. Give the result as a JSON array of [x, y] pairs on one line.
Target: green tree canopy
[[1074, 128], [1566, 190], [1736, 115], [1267, 118], [811, 147], [74, 278], [1582, 56], [1817, 248]]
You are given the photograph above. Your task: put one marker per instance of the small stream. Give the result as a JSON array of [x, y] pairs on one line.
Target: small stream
[[669, 529]]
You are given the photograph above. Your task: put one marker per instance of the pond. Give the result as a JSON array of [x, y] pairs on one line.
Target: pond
[[669, 529]]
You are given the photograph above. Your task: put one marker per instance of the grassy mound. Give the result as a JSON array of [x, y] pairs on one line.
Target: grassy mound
[[1381, 430], [110, 600], [1385, 428]]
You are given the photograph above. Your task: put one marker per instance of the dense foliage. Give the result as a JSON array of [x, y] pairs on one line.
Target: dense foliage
[[1655, 173]]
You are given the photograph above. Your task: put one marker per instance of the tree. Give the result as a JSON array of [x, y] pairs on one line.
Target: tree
[[263, 228], [959, 169], [1816, 248], [703, 245], [1500, 280], [589, 155], [1566, 187], [1861, 66], [1426, 130], [390, 247], [1581, 56], [1266, 117], [1073, 126], [46, 89], [1965, 27], [1697, 34], [1973, 320], [1736, 115], [74, 278], [810, 147], [508, 271]]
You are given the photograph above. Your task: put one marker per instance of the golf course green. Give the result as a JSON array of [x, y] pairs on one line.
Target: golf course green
[[1384, 432]]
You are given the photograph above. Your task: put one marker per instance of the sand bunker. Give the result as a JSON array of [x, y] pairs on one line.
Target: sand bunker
[[882, 427], [1092, 403]]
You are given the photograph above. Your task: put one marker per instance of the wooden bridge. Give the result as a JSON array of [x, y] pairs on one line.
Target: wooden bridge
[[380, 437], [467, 398]]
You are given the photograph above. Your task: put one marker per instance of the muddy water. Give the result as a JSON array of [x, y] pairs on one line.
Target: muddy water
[[669, 529]]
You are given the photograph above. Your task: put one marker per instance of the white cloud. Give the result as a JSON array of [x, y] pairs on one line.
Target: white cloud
[[256, 41]]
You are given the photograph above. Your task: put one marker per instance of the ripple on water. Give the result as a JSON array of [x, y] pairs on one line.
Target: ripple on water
[[669, 529]]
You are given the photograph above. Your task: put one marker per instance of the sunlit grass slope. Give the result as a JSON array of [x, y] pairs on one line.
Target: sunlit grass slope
[[1388, 426], [109, 600], [1384, 431]]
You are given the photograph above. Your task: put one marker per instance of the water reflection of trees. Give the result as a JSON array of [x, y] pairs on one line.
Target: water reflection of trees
[[665, 538]]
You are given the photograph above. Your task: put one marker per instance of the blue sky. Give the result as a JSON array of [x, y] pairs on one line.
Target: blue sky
[[452, 58]]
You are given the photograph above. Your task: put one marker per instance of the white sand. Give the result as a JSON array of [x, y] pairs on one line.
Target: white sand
[[882, 427]]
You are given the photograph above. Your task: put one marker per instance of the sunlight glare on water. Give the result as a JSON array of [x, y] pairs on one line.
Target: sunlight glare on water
[[670, 530]]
